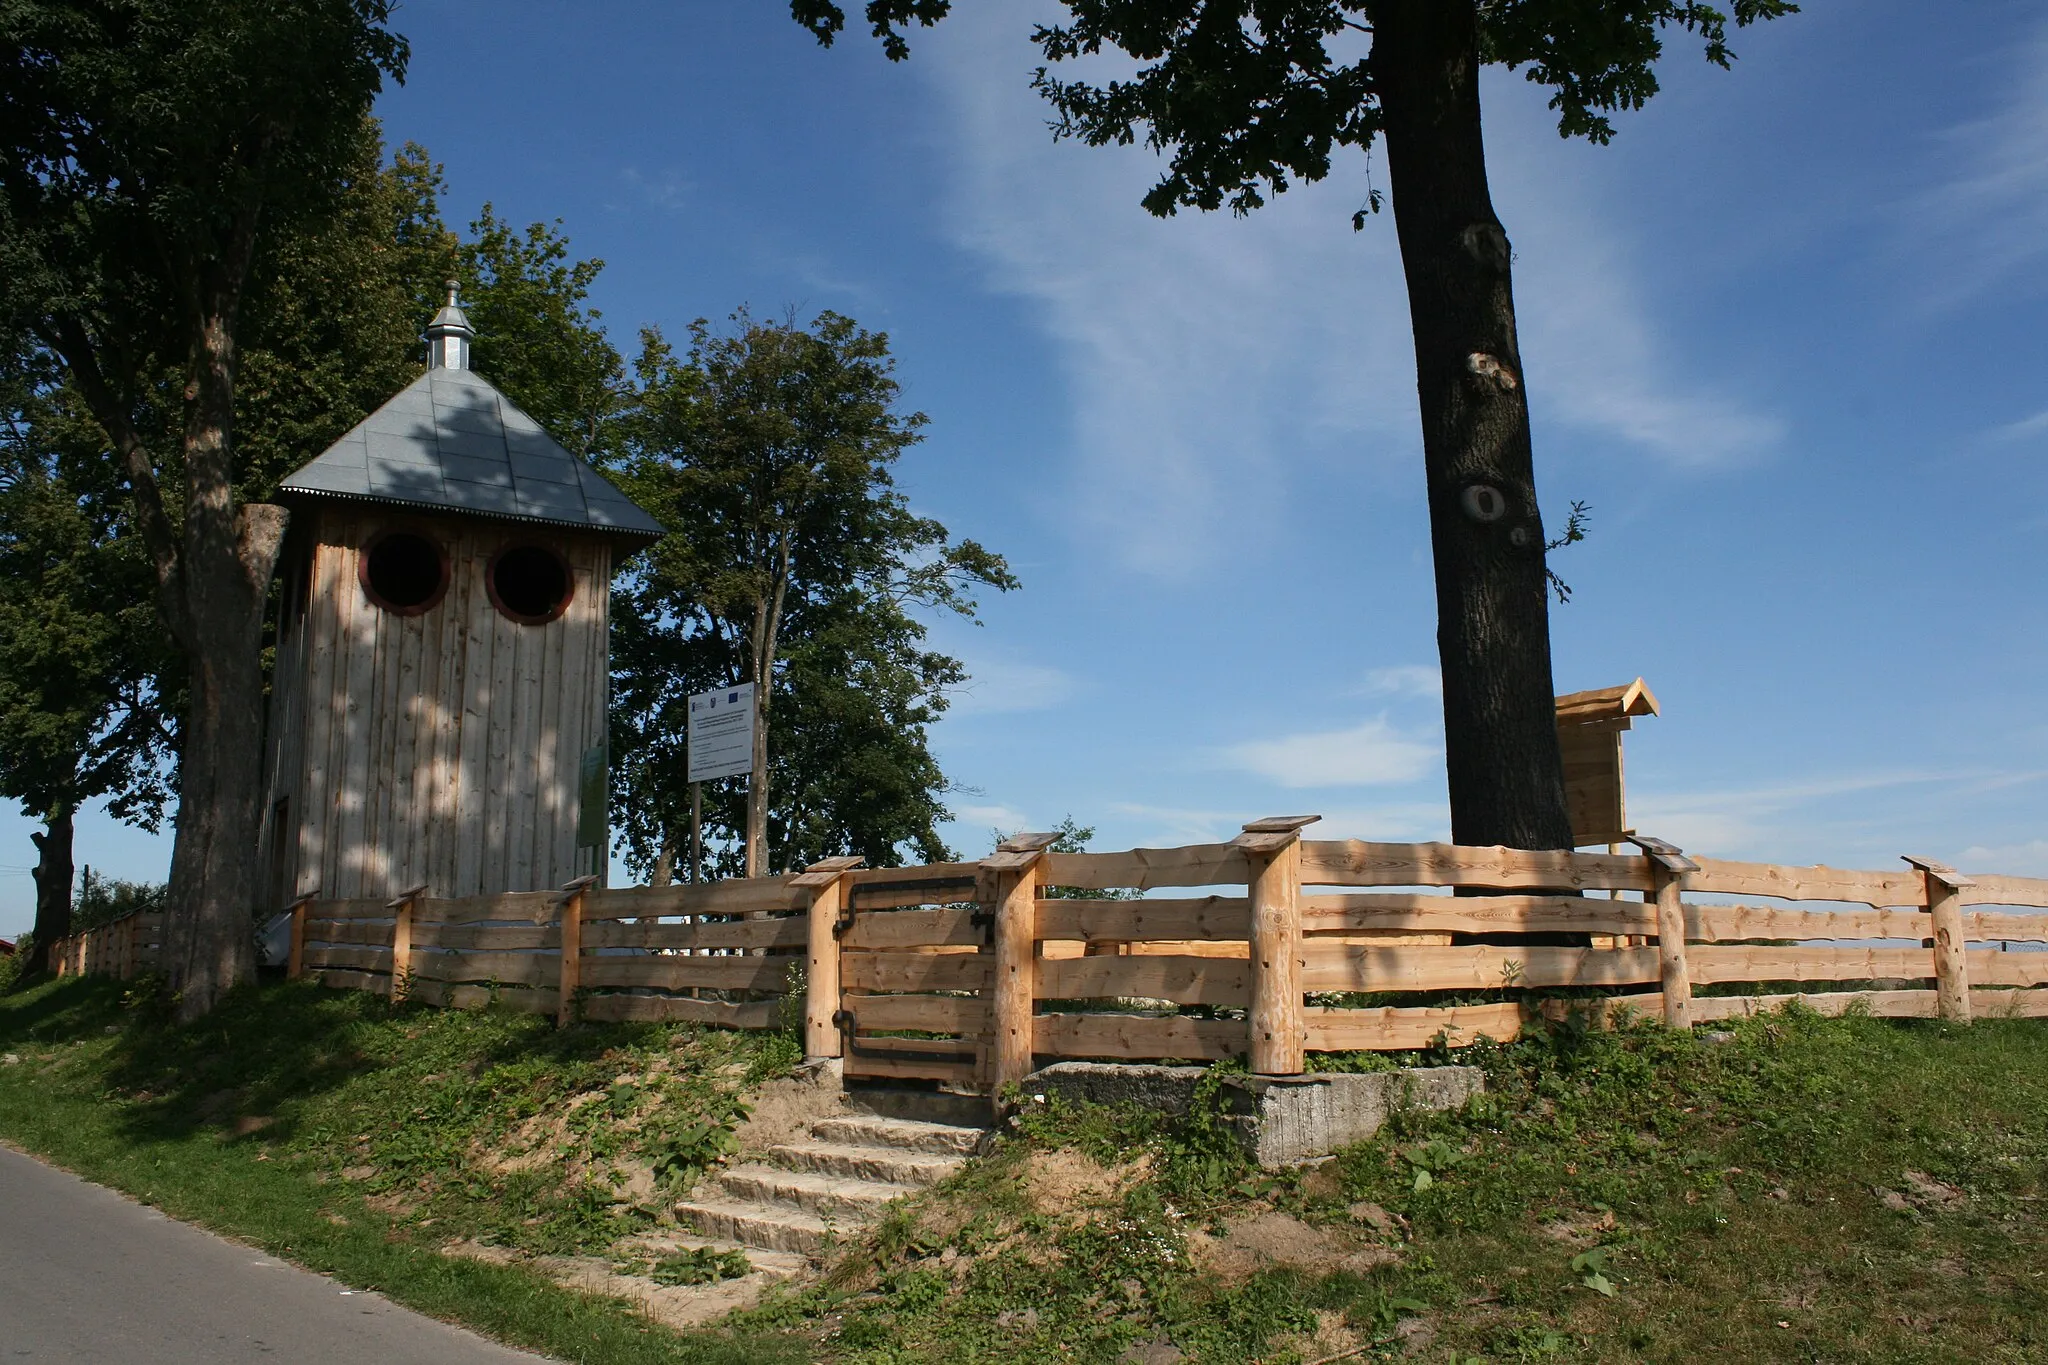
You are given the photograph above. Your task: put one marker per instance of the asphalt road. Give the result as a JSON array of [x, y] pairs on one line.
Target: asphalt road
[[89, 1275]]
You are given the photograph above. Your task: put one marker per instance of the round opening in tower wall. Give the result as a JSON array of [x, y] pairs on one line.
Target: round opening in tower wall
[[404, 572], [530, 584]]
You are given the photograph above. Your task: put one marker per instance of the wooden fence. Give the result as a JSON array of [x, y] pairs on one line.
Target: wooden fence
[[123, 948], [973, 973]]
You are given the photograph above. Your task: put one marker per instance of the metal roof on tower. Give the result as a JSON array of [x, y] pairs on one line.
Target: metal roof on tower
[[450, 442]]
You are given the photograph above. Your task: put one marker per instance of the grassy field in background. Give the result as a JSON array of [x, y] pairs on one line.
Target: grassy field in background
[[1804, 1189]]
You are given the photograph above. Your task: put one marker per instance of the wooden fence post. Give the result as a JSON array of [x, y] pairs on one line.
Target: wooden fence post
[[295, 959], [1017, 867], [1944, 900], [570, 978], [1279, 1035], [1668, 867], [401, 941], [826, 881]]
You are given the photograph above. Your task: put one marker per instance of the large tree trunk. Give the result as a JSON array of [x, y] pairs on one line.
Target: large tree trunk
[[53, 874], [1493, 622], [226, 562]]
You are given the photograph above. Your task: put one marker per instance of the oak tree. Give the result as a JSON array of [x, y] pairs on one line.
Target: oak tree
[[147, 147], [1244, 97]]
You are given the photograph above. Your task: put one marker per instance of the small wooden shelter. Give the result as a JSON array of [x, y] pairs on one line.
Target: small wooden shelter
[[438, 707], [1589, 728]]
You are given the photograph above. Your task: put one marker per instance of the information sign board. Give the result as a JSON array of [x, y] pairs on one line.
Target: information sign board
[[722, 733]]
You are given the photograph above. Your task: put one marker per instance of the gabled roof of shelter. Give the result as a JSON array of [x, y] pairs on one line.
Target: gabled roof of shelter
[[1606, 704], [450, 442]]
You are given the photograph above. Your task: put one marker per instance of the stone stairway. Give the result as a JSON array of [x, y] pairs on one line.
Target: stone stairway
[[796, 1197]]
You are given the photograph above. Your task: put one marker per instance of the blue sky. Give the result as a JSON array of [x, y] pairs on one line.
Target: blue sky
[[1784, 336]]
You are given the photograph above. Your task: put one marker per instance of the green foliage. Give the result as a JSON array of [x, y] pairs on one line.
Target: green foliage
[[101, 900], [1244, 101], [769, 450], [700, 1265]]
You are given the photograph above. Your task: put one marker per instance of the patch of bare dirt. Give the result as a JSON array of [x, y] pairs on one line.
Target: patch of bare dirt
[[1068, 1182], [1332, 1337], [1582, 1229], [784, 1110], [1265, 1240], [683, 1305]]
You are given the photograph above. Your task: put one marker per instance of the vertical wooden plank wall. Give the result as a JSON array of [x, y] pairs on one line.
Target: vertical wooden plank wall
[[443, 749]]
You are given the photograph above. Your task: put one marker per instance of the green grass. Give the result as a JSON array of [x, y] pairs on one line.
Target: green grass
[[1838, 1190], [356, 1139]]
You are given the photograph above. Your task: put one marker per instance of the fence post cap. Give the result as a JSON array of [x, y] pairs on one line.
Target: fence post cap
[[402, 897], [1665, 854], [826, 871], [1941, 872]]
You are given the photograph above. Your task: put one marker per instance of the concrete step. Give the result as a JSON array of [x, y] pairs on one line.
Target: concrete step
[[888, 1165], [830, 1197], [776, 1265], [923, 1106], [751, 1225], [904, 1135]]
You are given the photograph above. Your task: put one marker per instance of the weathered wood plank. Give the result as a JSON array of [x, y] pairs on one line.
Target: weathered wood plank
[[676, 973], [866, 880], [1146, 868], [1238, 948], [522, 969], [1809, 963], [926, 1013], [1994, 889], [1353, 862], [1990, 925], [784, 931], [1137, 1036], [1332, 967], [349, 931], [323, 955], [1991, 968], [736, 897], [911, 929], [1350, 912], [486, 937], [1732, 923], [907, 971], [753, 1014], [1183, 980], [1879, 889], [964, 1073], [1198, 917], [527, 907], [1408, 1029], [2020, 1004]]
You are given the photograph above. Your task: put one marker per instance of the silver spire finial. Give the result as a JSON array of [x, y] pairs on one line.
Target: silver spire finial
[[449, 335]]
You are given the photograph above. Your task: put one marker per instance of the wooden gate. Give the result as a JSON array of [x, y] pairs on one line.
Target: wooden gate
[[914, 974]]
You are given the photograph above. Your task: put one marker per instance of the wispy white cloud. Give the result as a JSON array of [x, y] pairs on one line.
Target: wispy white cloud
[[996, 686], [1755, 820], [2025, 429], [1005, 818], [2026, 859], [1369, 755], [1207, 356], [1983, 221], [1405, 680]]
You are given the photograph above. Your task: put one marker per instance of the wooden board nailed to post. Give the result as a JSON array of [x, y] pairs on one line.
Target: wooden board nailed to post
[[1589, 728]]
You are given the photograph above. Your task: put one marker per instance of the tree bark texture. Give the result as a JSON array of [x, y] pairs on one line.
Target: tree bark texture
[[1493, 620], [218, 594], [53, 873]]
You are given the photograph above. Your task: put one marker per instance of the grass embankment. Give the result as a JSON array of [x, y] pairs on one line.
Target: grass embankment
[[1810, 1189], [358, 1139], [1813, 1189]]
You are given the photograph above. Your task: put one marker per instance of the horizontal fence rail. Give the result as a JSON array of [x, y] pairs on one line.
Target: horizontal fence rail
[[123, 948], [1272, 946]]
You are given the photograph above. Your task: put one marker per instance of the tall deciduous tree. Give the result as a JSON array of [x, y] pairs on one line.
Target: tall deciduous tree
[[146, 148], [1245, 96], [82, 655], [795, 565]]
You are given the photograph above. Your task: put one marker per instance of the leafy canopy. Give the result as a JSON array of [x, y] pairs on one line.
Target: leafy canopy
[[1246, 96]]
